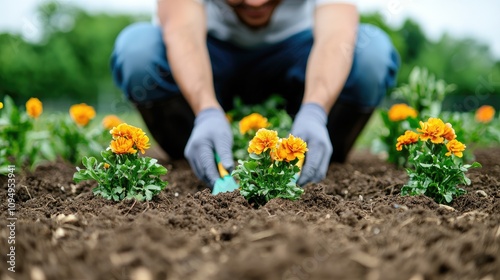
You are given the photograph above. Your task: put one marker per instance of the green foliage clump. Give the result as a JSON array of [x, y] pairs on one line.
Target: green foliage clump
[[71, 142], [70, 60], [391, 130], [272, 168], [424, 92], [122, 173], [20, 143], [435, 155], [125, 176], [259, 184]]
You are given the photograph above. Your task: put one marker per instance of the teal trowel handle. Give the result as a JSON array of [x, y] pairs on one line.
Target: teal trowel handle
[[222, 171], [226, 182]]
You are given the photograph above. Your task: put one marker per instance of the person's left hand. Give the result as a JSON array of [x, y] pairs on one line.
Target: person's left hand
[[211, 134], [310, 125]]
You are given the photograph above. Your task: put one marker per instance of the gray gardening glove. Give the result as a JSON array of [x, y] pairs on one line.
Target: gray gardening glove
[[211, 134], [310, 125]]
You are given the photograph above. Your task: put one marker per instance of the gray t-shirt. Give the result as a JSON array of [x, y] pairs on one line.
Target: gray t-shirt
[[289, 18]]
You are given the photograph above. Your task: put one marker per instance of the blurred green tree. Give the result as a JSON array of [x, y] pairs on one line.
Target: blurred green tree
[[70, 62]]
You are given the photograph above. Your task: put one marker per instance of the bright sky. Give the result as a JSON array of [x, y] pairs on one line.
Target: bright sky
[[462, 18]]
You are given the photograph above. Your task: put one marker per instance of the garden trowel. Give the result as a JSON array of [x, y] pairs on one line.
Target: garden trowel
[[226, 182]]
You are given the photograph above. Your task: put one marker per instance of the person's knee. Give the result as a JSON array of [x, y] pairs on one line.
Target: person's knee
[[136, 60], [376, 62]]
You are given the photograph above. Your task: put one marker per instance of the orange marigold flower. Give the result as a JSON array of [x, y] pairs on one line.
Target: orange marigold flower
[[408, 138], [34, 107], [253, 122], [485, 114], [263, 140], [278, 154], [141, 141], [111, 121], [122, 146], [82, 113], [449, 132], [123, 130], [1, 105], [290, 148], [432, 129], [455, 147], [399, 112], [138, 137]]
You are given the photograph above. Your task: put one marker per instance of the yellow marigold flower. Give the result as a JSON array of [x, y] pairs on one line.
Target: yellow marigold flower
[[106, 165], [1, 105], [409, 137], [122, 146], [141, 141], [82, 113], [111, 121], [123, 130], [433, 129], [263, 140], [34, 107], [138, 137], [485, 114], [399, 112], [278, 154], [449, 132], [290, 148], [455, 147], [253, 122]]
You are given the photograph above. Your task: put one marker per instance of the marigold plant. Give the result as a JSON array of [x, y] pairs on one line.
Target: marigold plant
[[82, 113], [74, 135], [435, 155], [399, 118], [424, 92], [400, 112], [122, 173], [271, 170], [477, 128], [21, 144], [485, 114], [252, 123], [110, 121], [34, 107], [247, 119]]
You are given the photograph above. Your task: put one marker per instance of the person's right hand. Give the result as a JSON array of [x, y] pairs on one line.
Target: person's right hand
[[211, 134], [310, 125]]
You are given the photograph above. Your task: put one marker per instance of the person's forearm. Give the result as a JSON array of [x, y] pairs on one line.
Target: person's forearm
[[331, 57], [184, 33], [190, 65]]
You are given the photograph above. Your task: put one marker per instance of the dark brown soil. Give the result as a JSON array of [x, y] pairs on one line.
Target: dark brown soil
[[353, 225]]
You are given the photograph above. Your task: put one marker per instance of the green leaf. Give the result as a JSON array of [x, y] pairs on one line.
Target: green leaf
[[251, 165], [81, 176], [153, 187], [256, 156], [476, 165], [149, 195], [448, 197], [466, 180]]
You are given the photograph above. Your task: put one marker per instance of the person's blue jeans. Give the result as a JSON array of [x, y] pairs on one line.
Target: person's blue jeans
[[141, 70]]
